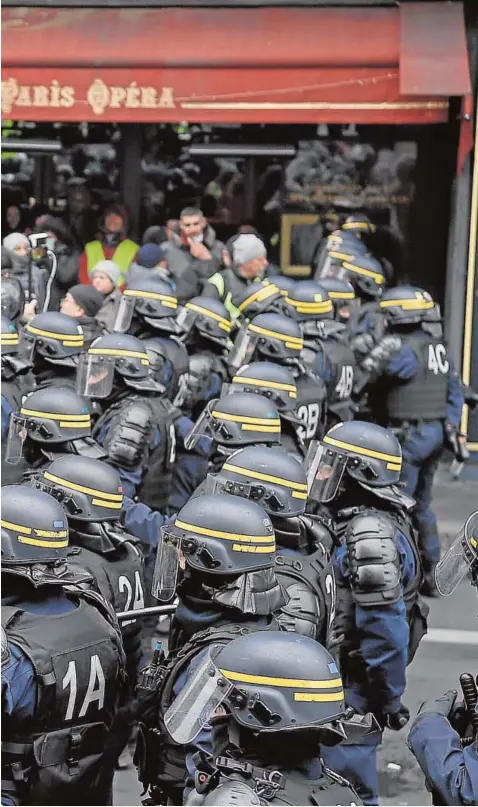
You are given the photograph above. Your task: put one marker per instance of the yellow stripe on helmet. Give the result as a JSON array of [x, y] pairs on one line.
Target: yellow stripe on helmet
[[272, 681], [394, 462], [258, 550], [246, 419], [108, 351], [18, 527], [414, 304], [78, 338], [308, 697], [260, 382], [359, 270], [170, 302], [295, 342], [81, 420], [39, 542], [322, 307], [263, 294], [211, 314], [115, 497], [227, 536], [342, 295], [276, 480]]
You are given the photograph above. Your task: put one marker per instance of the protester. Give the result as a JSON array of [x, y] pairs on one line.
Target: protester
[[113, 244], [105, 278], [83, 303]]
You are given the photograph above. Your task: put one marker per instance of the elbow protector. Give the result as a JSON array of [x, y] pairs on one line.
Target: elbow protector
[[374, 560]]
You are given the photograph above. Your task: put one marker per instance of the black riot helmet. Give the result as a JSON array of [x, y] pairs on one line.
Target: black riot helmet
[[257, 298], [270, 682], [54, 336], [368, 453], [35, 537], [270, 336], [207, 317], [115, 357], [460, 559], [358, 223], [309, 304], [236, 421], [342, 294], [407, 305], [267, 475], [88, 489], [10, 338], [365, 273], [283, 283], [218, 535], [176, 353], [152, 301], [50, 416], [161, 364], [265, 378]]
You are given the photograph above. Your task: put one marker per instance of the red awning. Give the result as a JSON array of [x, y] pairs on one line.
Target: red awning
[[230, 65]]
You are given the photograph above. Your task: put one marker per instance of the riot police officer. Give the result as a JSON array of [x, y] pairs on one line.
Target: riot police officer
[[418, 393], [91, 493], [136, 429], [354, 472], [271, 698], [277, 383], [17, 381], [449, 763], [326, 351], [259, 298], [54, 341], [205, 330], [277, 481], [62, 662], [224, 547], [344, 300], [50, 422], [278, 338]]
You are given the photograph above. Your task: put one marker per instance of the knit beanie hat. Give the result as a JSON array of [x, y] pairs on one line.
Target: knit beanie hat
[[87, 298], [15, 240], [149, 255], [246, 247], [109, 268]]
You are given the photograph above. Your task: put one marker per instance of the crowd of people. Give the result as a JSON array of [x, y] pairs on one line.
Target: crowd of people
[[184, 425]]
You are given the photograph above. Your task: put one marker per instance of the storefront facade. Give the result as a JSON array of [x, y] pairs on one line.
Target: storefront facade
[[384, 88]]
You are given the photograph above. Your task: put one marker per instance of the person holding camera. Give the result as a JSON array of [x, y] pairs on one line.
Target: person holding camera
[[17, 262]]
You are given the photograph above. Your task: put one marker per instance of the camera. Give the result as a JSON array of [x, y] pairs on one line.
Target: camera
[[38, 243]]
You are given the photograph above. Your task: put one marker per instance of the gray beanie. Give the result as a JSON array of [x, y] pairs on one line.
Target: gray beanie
[[15, 240], [246, 247], [109, 268]]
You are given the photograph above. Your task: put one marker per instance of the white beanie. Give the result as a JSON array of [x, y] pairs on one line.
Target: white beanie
[[246, 247], [109, 268]]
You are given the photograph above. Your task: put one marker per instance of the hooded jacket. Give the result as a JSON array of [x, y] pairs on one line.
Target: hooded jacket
[[189, 273]]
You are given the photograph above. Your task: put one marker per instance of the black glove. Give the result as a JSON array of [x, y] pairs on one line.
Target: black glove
[[398, 720], [440, 706]]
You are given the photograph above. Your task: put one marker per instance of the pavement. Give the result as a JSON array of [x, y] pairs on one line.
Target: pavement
[[449, 649]]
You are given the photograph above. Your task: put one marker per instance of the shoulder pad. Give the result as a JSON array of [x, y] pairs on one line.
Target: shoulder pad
[[129, 434], [232, 792], [5, 649], [302, 613], [374, 561], [318, 533]]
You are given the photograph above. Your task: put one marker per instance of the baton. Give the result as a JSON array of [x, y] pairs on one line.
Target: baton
[[153, 609], [470, 696]]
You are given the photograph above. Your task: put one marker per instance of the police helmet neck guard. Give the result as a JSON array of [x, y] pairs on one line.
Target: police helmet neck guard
[[271, 380], [408, 305], [49, 416], [222, 536], [238, 420], [370, 454], [88, 489], [207, 318], [151, 301], [266, 475], [270, 683], [54, 337], [35, 537]]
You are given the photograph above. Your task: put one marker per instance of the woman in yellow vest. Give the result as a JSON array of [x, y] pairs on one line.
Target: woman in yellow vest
[[114, 245]]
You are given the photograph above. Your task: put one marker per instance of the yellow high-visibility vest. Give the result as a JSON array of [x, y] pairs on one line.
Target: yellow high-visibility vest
[[123, 255]]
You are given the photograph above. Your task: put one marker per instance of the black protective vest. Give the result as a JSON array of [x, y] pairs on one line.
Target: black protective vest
[[160, 761], [131, 430], [119, 577], [309, 582], [273, 787], [425, 395], [58, 756], [339, 390], [311, 405], [352, 664]]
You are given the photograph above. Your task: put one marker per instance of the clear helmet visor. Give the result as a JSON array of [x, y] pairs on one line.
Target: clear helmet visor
[[26, 345], [124, 315], [243, 348], [95, 375], [197, 702], [166, 567], [17, 434], [455, 564], [185, 320], [202, 427], [332, 268], [325, 469]]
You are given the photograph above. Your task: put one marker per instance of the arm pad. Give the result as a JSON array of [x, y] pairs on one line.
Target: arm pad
[[374, 561]]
